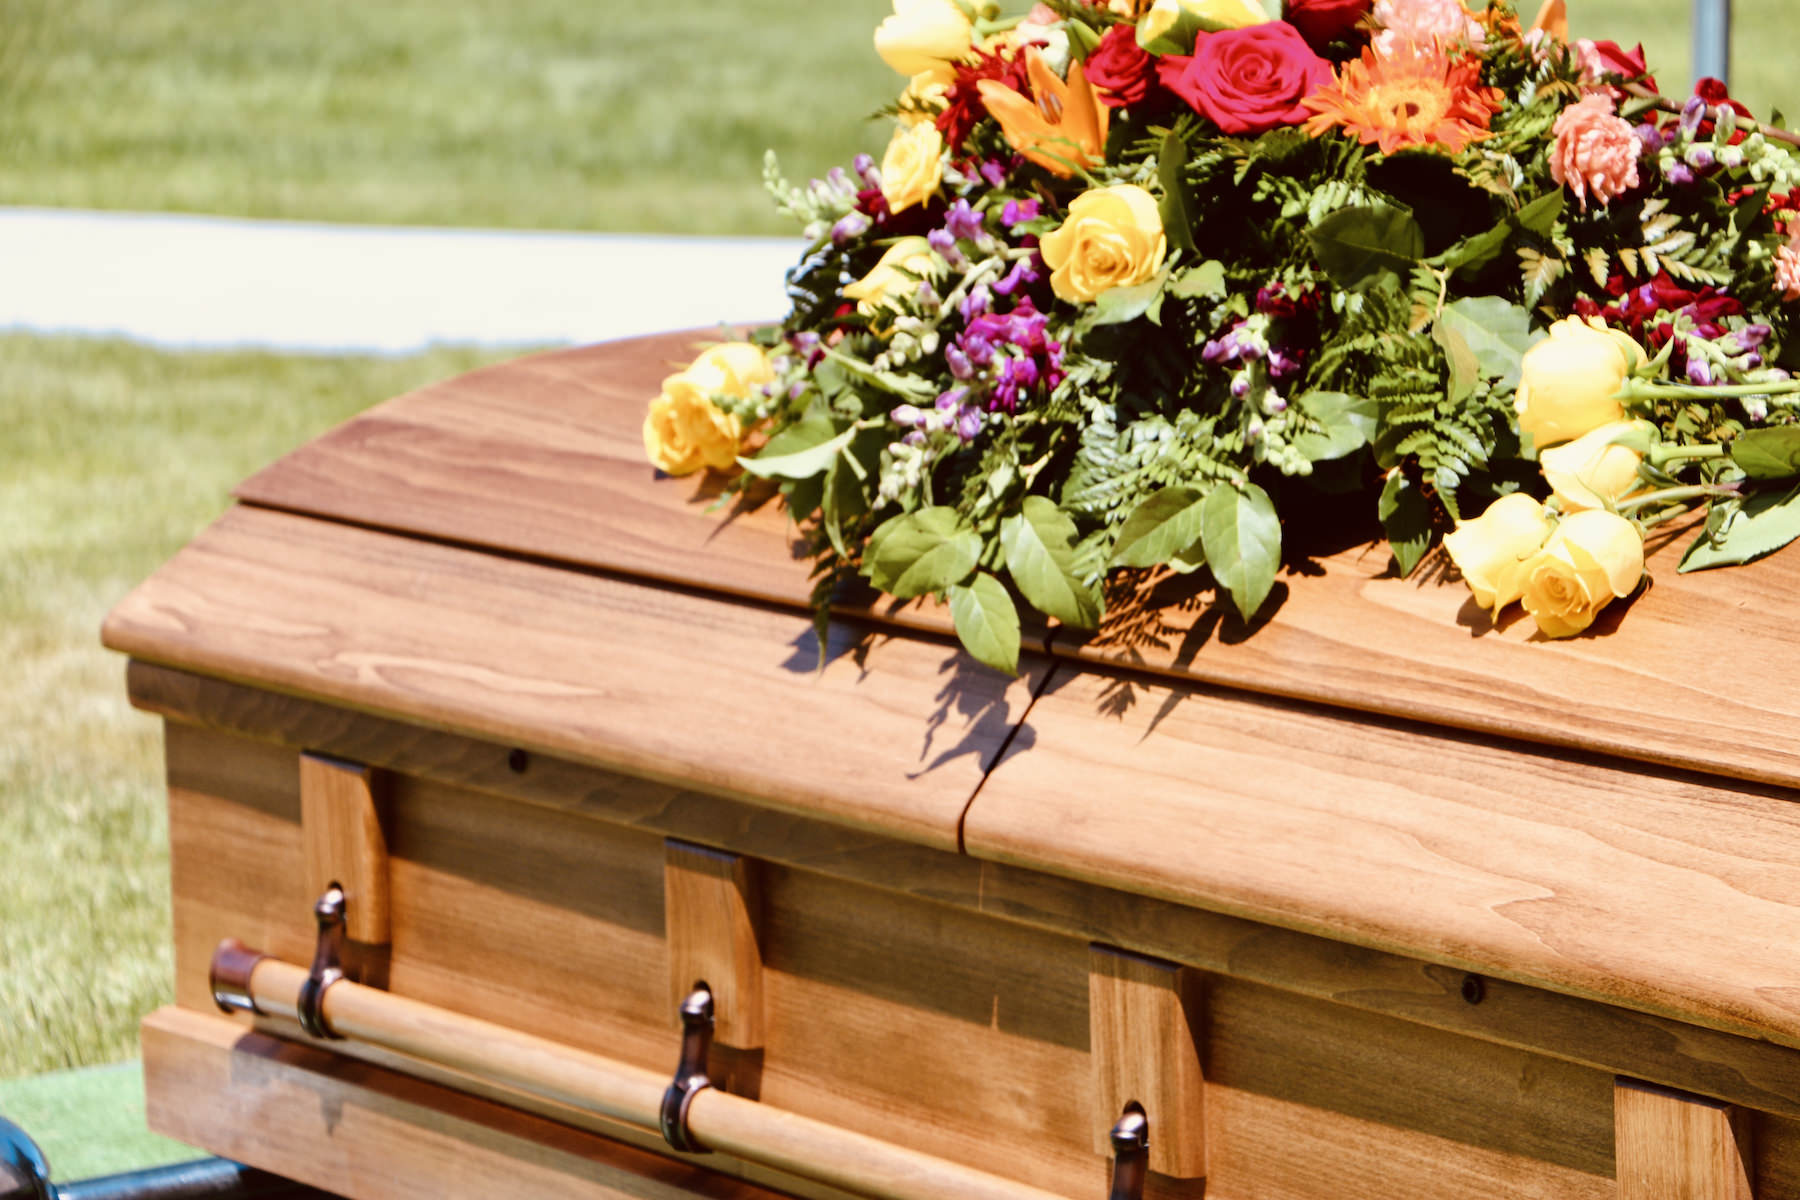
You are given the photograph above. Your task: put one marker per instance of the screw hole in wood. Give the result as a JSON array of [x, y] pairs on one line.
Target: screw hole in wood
[[517, 761], [1474, 989]]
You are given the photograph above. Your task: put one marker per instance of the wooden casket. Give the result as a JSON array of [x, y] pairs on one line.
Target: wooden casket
[[1373, 901]]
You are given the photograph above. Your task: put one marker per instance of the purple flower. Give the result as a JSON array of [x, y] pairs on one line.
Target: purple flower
[[864, 166], [979, 300], [1024, 272], [1677, 173], [960, 366], [1651, 137], [962, 222], [968, 423], [1700, 157], [908, 414], [1691, 112], [1017, 212], [1698, 371], [994, 172], [852, 225]]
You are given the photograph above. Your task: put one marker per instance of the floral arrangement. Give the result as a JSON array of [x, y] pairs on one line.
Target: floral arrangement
[[1137, 284]]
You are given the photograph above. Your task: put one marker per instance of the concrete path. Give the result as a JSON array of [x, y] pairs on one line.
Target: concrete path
[[185, 281]]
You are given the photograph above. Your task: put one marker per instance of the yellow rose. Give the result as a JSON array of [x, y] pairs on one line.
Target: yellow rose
[[926, 95], [913, 166], [1599, 467], [1113, 237], [1593, 558], [906, 262], [684, 430], [1179, 20], [1569, 382], [1491, 549], [922, 34]]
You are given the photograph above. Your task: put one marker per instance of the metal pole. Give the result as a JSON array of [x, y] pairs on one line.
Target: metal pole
[[1712, 39]]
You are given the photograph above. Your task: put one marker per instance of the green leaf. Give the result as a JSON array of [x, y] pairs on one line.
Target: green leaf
[[1772, 453], [987, 623], [1160, 528], [1242, 538], [1178, 224], [1039, 545], [1765, 522], [1348, 421], [1206, 280], [797, 464], [1117, 305], [1358, 246], [1464, 370], [1496, 331], [842, 499], [1083, 40], [1540, 215], [1406, 519], [920, 552]]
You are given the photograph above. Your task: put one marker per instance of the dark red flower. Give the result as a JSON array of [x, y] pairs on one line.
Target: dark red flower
[[1123, 70], [1714, 92], [1322, 22], [964, 108], [1248, 80]]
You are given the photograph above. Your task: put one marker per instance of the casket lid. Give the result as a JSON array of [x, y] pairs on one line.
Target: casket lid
[[544, 457]]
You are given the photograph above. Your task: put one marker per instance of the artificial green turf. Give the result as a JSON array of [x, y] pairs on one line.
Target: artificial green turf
[[527, 113], [113, 456], [89, 1122]]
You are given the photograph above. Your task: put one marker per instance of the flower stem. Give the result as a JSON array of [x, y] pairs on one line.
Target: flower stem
[[1640, 389], [1671, 495], [1662, 455], [1712, 111]]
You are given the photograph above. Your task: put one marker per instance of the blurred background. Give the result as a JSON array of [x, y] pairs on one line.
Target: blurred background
[[605, 117]]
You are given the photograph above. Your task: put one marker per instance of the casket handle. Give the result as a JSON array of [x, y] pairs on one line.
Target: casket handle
[[327, 964], [745, 1129], [690, 1074], [1131, 1154]]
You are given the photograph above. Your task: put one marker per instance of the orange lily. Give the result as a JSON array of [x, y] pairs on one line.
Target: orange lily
[[1553, 19], [1062, 128]]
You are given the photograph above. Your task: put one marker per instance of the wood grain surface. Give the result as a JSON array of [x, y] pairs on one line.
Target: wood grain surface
[[1677, 1147], [893, 735], [1692, 673], [369, 1134], [1145, 1036], [346, 844], [1750, 1072], [1657, 893], [544, 456], [712, 910]]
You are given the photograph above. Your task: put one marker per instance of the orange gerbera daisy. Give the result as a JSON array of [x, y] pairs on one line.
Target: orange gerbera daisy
[[1417, 98], [1062, 127]]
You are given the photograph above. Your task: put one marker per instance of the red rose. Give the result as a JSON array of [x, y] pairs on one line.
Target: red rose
[[1248, 80], [1121, 68], [1322, 22], [1626, 64]]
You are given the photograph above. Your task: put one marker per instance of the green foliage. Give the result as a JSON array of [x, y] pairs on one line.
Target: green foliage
[[987, 622], [1746, 530], [1242, 536]]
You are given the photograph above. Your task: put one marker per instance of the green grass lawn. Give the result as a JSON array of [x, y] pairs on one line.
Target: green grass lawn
[[114, 455], [528, 113]]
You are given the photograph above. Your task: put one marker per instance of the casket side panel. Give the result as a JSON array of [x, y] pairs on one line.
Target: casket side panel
[[1566, 873]]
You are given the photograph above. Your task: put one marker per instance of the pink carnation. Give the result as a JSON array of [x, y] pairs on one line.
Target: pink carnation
[[1596, 150], [1787, 265], [1421, 23]]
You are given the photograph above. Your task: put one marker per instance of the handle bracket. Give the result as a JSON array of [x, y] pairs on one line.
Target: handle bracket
[[327, 964], [690, 1074]]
